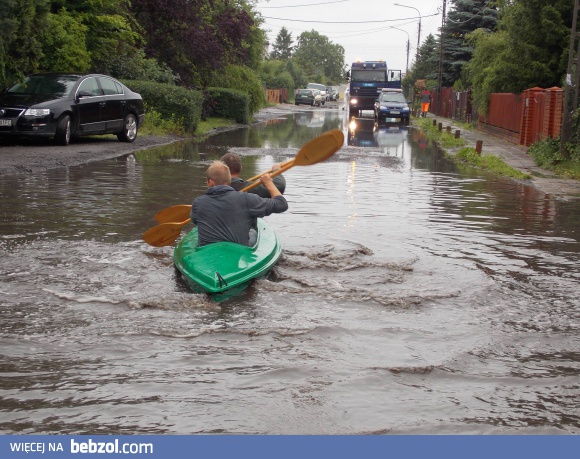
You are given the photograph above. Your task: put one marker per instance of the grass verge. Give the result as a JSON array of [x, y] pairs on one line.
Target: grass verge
[[463, 154]]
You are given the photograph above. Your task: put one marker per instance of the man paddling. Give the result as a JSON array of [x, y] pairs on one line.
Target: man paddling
[[234, 162], [224, 214]]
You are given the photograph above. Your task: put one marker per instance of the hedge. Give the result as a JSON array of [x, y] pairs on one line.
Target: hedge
[[227, 103], [174, 102]]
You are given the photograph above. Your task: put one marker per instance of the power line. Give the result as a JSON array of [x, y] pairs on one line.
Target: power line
[[346, 22], [310, 4]]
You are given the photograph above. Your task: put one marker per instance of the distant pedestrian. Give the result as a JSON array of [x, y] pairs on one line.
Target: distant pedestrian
[[425, 102]]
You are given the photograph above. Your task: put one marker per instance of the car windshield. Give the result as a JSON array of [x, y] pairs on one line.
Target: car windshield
[[393, 97], [57, 85], [306, 92]]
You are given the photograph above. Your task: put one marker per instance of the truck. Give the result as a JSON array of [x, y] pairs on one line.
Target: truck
[[366, 81]]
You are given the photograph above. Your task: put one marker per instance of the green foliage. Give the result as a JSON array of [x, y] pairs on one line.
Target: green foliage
[[171, 102], [134, 65], [573, 147], [244, 79], [227, 103], [487, 73], [529, 49], [297, 73], [322, 60], [23, 24], [282, 48], [65, 44], [157, 124], [274, 75], [464, 17], [547, 154], [468, 155], [490, 163]]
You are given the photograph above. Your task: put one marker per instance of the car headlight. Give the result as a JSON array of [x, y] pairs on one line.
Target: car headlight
[[354, 101], [37, 112]]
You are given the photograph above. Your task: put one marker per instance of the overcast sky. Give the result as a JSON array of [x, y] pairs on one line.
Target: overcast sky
[[367, 29]]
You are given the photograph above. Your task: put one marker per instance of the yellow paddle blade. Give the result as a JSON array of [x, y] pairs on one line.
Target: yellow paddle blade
[[320, 148], [164, 234], [176, 213]]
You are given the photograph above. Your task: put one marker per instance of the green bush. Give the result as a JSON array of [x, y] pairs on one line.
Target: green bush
[[227, 103], [573, 146], [243, 79], [546, 152], [171, 102]]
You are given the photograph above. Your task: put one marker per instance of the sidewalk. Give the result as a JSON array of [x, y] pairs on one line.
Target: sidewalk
[[516, 156]]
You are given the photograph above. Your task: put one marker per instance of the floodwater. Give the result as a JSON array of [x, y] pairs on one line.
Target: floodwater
[[411, 297]]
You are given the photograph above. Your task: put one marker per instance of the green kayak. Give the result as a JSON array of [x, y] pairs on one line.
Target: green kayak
[[224, 269]]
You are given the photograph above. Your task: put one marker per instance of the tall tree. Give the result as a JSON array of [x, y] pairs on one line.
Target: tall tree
[[23, 23], [529, 49], [319, 57], [195, 37], [464, 17], [282, 48]]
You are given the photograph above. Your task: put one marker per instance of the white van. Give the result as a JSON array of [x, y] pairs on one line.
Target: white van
[[321, 88]]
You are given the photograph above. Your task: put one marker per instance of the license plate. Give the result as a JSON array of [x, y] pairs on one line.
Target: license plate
[[395, 112], [5, 122]]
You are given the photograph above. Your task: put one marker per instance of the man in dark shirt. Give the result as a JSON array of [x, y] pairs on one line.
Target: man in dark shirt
[[224, 214], [234, 162]]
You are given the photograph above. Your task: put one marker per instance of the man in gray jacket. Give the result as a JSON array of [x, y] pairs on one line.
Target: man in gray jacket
[[224, 214]]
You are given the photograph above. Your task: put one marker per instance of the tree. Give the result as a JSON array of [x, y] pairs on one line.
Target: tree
[[464, 17], [529, 49], [282, 48], [195, 37], [65, 44], [319, 57], [23, 23]]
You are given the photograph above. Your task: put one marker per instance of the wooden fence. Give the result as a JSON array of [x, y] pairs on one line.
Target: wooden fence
[[277, 96]]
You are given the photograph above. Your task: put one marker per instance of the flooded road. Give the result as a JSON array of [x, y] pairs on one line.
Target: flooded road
[[411, 297]]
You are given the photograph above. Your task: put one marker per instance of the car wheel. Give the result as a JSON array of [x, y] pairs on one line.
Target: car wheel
[[296, 103], [62, 136], [129, 132]]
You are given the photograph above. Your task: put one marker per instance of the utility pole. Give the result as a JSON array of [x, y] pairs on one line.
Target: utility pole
[[571, 95], [408, 46], [419, 32], [439, 82]]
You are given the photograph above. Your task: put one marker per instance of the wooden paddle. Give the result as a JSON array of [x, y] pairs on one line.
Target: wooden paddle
[[173, 213], [317, 150]]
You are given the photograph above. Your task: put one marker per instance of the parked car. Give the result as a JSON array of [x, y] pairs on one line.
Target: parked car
[[321, 88], [308, 97], [332, 92], [63, 106], [391, 104]]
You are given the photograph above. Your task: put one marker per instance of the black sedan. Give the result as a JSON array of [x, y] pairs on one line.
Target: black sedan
[[61, 106]]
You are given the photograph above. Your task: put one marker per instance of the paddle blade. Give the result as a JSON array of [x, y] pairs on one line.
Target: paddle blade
[[163, 234], [176, 213], [320, 148]]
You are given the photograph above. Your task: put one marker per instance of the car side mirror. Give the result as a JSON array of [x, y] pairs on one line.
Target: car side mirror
[[84, 94]]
